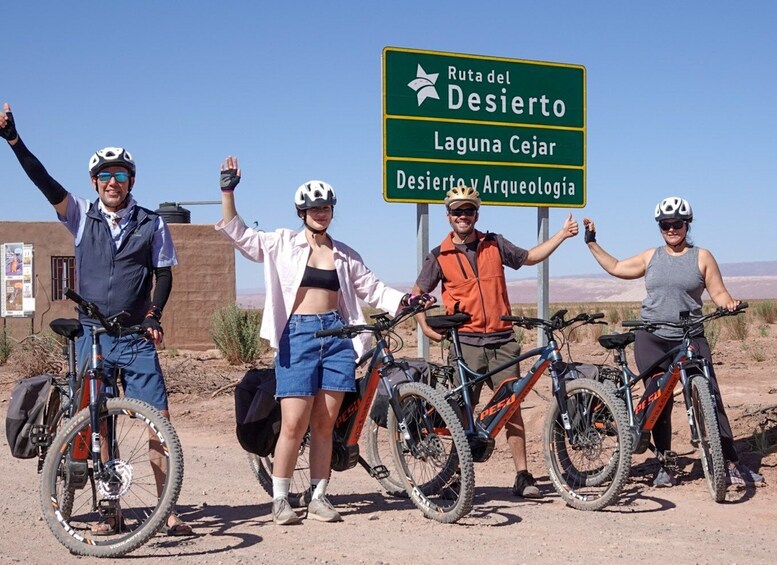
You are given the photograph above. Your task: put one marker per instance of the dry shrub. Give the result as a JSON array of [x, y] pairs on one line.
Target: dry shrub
[[5, 347], [613, 315], [185, 374], [629, 313], [236, 334], [38, 354], [736, 327], [767, 311], [712, 333], [595, 330]]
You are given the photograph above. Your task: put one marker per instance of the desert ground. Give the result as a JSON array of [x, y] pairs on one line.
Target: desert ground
[[230, 512]]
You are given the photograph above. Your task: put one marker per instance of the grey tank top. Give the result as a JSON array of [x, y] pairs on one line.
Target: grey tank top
[[674, 284]]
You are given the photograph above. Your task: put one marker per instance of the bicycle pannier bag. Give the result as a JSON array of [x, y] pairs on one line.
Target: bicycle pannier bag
[[405, 370], [257, 413], [26, 408]]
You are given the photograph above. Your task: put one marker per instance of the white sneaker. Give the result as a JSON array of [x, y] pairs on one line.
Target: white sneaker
[[282, 513], [322, 510]]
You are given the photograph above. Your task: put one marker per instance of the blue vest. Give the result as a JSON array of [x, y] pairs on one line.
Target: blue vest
[[117, 279]]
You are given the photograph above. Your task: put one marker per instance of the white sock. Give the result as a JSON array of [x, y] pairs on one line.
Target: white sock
[[319, 487], [280, 487]]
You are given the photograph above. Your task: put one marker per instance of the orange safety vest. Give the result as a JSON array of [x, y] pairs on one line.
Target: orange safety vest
[[481, 294]]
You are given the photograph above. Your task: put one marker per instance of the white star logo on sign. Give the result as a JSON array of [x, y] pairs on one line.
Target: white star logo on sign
[[423, 85]]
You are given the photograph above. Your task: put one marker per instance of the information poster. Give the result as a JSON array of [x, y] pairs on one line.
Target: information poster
[[17, 280]]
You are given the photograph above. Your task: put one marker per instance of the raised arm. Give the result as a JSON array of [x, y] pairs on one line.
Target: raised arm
[[542, 251], [713, 281], [631, 268], [51, 189], [229, 179]]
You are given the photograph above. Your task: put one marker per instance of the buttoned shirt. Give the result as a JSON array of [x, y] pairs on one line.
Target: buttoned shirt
[[285, 254]]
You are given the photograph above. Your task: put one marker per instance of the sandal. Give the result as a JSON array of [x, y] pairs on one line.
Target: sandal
[[110, 527], [178, 528]]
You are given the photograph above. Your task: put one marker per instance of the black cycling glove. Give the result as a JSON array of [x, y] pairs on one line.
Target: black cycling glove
[[229, 180], [590, 235], [9, 132], [151, 323], [413, 300]]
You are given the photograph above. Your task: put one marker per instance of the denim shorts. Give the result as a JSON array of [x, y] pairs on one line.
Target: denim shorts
[[137, 357], [306, 364]]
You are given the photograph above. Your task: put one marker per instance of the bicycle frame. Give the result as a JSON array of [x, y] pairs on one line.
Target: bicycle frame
[[659, 389], [481, 430], [508, 397], [356, 406]]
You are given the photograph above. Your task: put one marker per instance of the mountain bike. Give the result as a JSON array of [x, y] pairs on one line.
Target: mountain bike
[[114, 462], [689, 368], [428, 444], [580, 429]]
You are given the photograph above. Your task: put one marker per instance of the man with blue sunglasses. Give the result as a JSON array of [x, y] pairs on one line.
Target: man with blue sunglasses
[[122, 250]]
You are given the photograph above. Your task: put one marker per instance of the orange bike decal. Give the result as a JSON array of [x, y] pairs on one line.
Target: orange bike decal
[[80, 444], [81, 441], [660, 397], [514, 401], [361, 407]]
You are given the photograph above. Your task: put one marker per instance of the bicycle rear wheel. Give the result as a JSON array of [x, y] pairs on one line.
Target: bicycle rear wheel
[[54, 421], [710, 450], [300, 480], [130, 502], [434, 461], [590, 469]]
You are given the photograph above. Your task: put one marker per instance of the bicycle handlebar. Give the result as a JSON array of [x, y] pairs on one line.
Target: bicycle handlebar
[[111, 324], [382, 322], [556, 321], [685, 324]]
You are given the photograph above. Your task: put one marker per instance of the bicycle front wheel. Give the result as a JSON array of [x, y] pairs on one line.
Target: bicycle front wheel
[[116, 509], [708, 437], [379, 453], [262, 467], [589, 464], [432, 454]]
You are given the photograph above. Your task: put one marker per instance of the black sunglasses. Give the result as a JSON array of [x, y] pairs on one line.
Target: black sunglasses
[[468, 212], [675, 225]]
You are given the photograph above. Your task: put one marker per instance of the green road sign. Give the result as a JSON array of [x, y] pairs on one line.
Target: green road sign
[[512, 129]]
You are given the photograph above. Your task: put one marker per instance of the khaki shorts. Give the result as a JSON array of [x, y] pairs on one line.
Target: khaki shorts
[[485, 358]]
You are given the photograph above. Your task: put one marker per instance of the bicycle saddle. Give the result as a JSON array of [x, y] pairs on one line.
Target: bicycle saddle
[[67, 327], [438, 323], [616, 341]]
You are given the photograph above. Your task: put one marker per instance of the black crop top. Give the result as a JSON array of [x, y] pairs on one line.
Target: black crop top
[[320, 278]]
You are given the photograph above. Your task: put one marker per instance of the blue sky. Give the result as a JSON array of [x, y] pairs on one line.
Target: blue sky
[[680, 100]]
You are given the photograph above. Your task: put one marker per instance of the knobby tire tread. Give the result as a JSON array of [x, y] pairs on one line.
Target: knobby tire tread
[[617, 469], [165, 505], [710, 451], [461, 464]]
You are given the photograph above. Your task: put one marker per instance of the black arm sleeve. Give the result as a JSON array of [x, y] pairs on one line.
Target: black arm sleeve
[[163, 285], [38, 174]]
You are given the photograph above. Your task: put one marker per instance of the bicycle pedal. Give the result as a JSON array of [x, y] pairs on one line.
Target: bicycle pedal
[[108, 508], [40, 436], [379, 472]]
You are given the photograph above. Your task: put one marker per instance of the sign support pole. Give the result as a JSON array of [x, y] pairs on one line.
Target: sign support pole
[[422, 250], [543, 274]]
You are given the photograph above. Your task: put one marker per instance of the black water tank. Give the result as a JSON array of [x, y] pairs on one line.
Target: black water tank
[[172, 213]]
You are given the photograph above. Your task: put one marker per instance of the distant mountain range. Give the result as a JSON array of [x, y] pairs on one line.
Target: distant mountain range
[[755, 280]]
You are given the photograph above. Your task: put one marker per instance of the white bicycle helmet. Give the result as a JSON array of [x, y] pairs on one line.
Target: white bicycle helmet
[[673, 207], [109, 157], [460, 195], [314, 193]]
